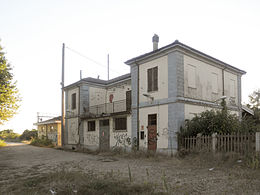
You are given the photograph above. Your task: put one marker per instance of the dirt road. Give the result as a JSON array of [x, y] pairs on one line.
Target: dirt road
[[191, 175]]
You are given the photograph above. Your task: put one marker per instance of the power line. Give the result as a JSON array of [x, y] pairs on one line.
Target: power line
[[94, 61]]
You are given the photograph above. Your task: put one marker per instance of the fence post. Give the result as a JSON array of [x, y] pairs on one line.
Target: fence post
[[257, 141], [198, 142], [214, 142]]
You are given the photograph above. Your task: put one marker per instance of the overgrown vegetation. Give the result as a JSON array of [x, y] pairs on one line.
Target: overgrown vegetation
[[79, 182], [42, 142], [9, 135], [29, 134], [221, 121], [2, 143]]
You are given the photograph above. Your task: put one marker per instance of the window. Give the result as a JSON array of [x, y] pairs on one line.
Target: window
[[142, 135], [73, 101], [152, 79], [192, 76], [232, 88], [120, 123], [214, 83], [152, 119], [91, 125]]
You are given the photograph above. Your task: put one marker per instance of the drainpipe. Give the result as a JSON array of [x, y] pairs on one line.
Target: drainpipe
[[79, 120], [223, 82], [138, 79]]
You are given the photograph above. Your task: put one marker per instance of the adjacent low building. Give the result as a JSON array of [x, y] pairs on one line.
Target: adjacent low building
[[50, 129], [147, 107]]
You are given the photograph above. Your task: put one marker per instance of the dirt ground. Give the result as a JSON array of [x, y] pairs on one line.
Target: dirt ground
[[189, 175]]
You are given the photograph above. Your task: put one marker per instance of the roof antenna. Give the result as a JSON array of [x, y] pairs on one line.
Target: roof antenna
[[107, 66], [80, 74], [98, 77]]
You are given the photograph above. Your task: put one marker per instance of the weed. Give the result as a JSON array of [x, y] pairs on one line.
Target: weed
[[42, 142], [2, 143], [129, 173]]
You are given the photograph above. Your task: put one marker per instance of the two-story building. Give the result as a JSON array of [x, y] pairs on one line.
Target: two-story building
[[168, 85]]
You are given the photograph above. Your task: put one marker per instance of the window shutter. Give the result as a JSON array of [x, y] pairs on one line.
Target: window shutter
[[155, 79], [149, 79]]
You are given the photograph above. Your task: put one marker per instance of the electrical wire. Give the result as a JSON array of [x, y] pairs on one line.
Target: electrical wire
[[89, 59]]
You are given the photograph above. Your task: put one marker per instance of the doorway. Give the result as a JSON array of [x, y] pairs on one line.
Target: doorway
[[104, 135], [152, 132]]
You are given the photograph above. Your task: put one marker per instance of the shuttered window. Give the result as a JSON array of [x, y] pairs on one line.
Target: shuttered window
[[73, 101], [91, 125], [152, 79], [120, 123]]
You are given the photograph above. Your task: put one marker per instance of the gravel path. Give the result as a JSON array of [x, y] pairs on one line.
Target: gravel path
[[190, 175]]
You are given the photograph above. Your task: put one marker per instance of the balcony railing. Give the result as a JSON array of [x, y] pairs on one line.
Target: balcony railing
[[108, 108]]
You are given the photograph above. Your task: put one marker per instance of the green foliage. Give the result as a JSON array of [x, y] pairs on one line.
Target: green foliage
[[9, 96], [210, 122], [42, 142], [29, 134], [2, 143], [9, 135]]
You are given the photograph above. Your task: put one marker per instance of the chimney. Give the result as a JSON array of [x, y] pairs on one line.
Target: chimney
[[155, 42]]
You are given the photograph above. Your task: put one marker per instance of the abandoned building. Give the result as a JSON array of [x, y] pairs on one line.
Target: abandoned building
[[147, 107]]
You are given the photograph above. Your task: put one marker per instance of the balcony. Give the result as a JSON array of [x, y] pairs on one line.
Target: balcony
[[107, 108]]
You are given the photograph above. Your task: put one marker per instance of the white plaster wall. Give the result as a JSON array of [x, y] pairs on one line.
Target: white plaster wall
[[119, 138], [118, 91], [162, 92], [69, 111], [97, 95], [162, 125], [91, 138], [227, 82], [203, 80], [73, 134]]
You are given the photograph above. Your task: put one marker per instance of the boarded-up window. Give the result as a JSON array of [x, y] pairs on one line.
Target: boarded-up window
[[191, 76], [120, 123], [214, 80], [232, 88], [73, 101], [152, 79], [91, 125]]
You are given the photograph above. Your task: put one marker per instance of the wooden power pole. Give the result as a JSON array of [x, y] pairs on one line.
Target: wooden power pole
[[62, 97]]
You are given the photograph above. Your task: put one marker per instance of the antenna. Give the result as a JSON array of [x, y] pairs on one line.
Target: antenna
[[107, 66], [80, 74]]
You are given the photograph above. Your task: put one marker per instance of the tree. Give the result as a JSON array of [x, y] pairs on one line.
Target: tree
[[9, 96], [28, 135]]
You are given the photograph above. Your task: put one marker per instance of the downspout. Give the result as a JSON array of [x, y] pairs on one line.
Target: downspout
[[223, 82], [79, 120], [137, 105]]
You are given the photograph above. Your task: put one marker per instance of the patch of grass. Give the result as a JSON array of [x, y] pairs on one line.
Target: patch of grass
[[42, 142], [78, 182], [2, 143]]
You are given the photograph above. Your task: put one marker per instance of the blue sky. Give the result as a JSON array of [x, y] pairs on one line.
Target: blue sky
[[32, 33]]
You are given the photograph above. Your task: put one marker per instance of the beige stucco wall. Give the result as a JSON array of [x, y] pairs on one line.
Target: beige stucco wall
[[91, 138], [162, 92], [162, 125], [51, 131], [204, 72]]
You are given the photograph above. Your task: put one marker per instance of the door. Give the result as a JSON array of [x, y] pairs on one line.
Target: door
[[104, 135], [152, 132]]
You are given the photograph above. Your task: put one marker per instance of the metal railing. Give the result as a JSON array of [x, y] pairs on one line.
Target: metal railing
[[108, 108]]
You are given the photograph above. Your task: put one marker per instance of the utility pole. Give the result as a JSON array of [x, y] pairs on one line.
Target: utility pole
[[62, 97], [107, 66]]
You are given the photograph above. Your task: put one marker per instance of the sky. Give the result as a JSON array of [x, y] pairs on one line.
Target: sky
[[32, 33]]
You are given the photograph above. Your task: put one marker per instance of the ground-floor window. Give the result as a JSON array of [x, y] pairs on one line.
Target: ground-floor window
[[91, 125], [120, 123]]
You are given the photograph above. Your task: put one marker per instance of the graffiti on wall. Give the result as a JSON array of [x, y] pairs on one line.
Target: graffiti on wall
[[122, 140]]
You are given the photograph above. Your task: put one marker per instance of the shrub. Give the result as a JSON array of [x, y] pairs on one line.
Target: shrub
[[2, 143], [42, 142], [29, 134]]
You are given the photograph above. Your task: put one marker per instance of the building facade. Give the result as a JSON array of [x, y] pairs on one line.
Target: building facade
[[50, 129], [168, 85]]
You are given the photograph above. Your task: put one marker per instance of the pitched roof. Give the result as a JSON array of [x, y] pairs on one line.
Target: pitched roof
[[49, 121], [176, 43], [100, 81]]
